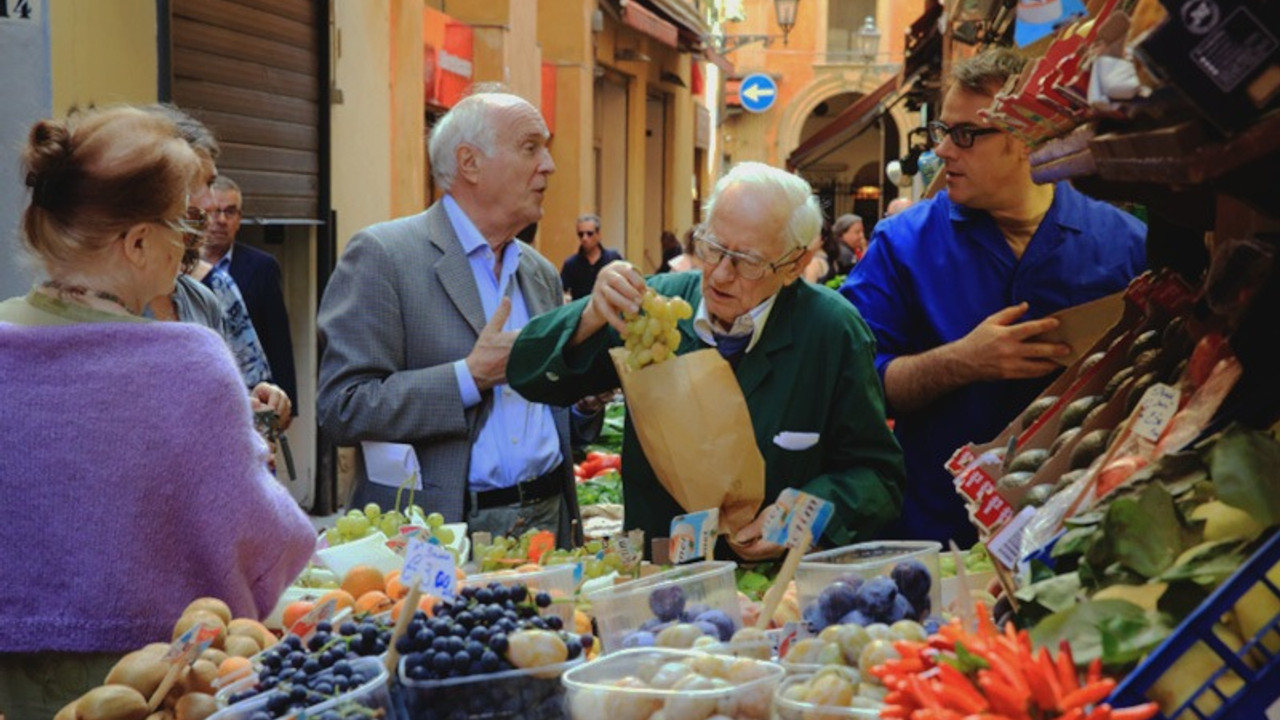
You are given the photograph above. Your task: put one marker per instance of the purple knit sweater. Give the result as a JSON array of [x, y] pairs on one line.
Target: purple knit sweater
[[131, 482]]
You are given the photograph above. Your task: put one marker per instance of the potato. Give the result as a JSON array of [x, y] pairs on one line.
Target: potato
[[242, 646], [201, 677], [112, 702], [254, 629], [213, 605], [141, 670], [68, 711], [195, 706]]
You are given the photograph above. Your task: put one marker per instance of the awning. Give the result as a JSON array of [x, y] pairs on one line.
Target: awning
[[672, 22], [849, 124]]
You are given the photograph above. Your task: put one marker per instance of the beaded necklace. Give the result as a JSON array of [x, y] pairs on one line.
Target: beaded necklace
[[81, 295]]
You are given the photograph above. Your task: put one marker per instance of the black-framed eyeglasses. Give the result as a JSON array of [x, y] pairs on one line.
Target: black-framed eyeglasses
[[192, 226], [229, 211], [962, 135], [748, 267], [586, 233]]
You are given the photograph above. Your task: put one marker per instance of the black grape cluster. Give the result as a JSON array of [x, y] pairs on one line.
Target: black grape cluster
[[292, 661], [297, 690], [472, 636], [469, 635]]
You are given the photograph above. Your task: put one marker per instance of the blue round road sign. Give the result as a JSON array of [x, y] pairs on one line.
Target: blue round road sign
[[757, 92]]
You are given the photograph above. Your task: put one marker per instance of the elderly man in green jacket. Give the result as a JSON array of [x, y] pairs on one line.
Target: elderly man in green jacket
[[801, 354]]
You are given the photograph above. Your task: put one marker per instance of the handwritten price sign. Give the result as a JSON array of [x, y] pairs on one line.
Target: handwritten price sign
[[431, 567]]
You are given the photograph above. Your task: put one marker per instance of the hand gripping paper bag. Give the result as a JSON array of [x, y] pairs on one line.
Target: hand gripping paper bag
[[692, 421]]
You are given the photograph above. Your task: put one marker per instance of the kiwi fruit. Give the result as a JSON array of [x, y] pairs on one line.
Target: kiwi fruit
[[1036, 496], [1091, 445], [112, 702], [1013, 481], [1067, 478], [1028, 460], [1087, 364], [1149, 340], [1146, 361], [1093, 414], [1076, 410], [1116, 381], [1036, 409], [1064, 438]]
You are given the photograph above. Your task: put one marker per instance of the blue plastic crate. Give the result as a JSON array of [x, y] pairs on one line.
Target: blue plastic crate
[[1258, 668]]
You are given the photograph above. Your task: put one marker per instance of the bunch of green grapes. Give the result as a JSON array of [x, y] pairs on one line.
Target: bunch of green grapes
[[504, 553], [652, 336], [597, 560], [357, 524]]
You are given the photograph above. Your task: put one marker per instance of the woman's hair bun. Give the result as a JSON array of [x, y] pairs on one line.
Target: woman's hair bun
[[46, 155]]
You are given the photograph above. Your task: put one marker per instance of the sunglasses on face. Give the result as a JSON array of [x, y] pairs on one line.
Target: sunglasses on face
[[586, 233], [962, 135]]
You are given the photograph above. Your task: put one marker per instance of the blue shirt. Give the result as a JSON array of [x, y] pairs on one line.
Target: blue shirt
[[518, 440], [931, 274]]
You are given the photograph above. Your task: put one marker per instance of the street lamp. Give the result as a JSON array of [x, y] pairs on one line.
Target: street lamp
[[868, 39], [786, 12]]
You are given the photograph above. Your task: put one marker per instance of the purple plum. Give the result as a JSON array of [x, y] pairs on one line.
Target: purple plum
[[667, 602], [855, 617], [913, 580], [836, 600], [875, 598], [720, 621], [637, 639]]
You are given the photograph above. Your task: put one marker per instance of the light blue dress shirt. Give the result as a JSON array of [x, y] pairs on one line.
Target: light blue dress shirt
[[518, 441]]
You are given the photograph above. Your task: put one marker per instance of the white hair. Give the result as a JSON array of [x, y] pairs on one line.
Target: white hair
[[469, 122], [794, 203]]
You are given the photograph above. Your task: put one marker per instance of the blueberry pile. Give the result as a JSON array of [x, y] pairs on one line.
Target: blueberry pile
[[669, 607], [297, 690], [903, 595], [470, 636], [290, 662]]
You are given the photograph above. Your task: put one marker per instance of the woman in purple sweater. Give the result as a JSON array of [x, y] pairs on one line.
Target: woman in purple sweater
[[131, 478]]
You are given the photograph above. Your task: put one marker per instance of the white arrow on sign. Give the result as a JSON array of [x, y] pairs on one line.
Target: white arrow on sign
[[755, 92]]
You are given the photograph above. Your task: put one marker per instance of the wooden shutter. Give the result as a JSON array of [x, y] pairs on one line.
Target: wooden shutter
[[252, 71]]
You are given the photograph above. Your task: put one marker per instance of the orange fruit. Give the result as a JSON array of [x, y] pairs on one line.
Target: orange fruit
[[294, 611], [342, 598], [426, 604], [396, 590], [373, 602], [234, 667], [362, 579], [581, 622]]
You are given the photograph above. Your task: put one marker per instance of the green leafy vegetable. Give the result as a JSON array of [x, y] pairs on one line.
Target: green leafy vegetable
[[1116, 631], [1242, 463]]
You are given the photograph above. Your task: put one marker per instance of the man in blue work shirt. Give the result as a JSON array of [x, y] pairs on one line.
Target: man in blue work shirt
[[418, 321], [955, 287]]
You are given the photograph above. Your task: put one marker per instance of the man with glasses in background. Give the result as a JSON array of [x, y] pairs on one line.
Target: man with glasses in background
[[257, 274], [801, 354], [956, 289], [578, 274]]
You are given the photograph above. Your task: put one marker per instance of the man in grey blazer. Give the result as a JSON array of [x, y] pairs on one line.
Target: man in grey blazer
[[418, 320]]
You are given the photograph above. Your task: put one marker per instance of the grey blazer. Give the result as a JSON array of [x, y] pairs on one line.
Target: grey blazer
[[400, 309]]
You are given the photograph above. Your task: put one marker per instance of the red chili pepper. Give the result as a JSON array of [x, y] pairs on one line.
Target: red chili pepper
[[1002, 698], [1137, 712], [1099, 712], [1089, 694], [958, 691], [1076, 714], [1067, 668], [1094, 674], [1044, 663]]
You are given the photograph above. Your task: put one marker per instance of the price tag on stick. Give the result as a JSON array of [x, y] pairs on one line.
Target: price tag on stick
[[181, 653], [430, 567]]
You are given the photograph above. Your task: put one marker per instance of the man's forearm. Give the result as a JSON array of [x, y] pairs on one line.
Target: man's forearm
[[912, 382]]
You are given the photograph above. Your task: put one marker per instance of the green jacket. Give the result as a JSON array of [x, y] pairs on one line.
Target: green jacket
[[812, 371]]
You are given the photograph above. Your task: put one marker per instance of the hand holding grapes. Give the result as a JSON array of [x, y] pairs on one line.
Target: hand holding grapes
[[619, 289]]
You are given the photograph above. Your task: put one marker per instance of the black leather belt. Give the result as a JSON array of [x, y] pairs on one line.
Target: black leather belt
[[527, 492]]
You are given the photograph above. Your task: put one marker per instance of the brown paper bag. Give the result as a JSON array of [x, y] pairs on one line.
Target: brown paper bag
[[692, 421]]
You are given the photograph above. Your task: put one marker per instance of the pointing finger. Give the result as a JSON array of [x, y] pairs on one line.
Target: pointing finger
[[500, 315]]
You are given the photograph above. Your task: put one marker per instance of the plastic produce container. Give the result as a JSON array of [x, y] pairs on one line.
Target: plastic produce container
[[745, 693], [533, 694], [556, 580], [623, 609], [1244, 683], [788, 709], [866, 560], [374, 695]]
